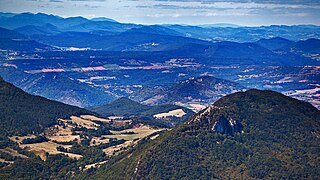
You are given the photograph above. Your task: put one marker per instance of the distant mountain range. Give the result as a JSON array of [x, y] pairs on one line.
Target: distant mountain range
[[215, 32], [250, 135], [40, 32]]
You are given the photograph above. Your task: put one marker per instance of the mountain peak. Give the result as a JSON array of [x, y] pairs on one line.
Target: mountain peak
[[227, 115]]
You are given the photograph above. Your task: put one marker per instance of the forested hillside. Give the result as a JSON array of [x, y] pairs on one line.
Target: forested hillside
[[274, 137], [22, 113]]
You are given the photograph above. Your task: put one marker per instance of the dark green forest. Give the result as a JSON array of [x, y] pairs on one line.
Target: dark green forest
[[280, 140], [22, 113]]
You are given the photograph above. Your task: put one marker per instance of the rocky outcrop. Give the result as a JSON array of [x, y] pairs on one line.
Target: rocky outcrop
[[227, 126], [218, 123]]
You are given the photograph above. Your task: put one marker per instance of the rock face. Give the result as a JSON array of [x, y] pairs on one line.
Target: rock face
[[218, 123], [227, 126]]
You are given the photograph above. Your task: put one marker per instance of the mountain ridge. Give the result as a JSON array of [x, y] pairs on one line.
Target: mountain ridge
[[24, 113]]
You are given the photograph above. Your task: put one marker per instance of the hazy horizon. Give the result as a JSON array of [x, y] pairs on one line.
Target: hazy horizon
[[189, 12], [217, 23]]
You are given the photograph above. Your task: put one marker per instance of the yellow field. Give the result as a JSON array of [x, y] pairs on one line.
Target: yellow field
[[154, 137], [176, 113], [61, 134], [98, 140], [19, 139], [5, 161], [41, 148], [91, 118], [95, 165], [111, 150], [84, 122], [140, 131], [49, 147], [197, 107]]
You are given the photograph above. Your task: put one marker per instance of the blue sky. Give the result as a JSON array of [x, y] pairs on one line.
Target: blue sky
[[242, 12]]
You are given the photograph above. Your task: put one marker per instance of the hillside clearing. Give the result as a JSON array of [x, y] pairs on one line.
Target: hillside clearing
[[114, 149], [42, 148], [83, 122], [176, 113], [49, 147], [95, 165], [140, 132], [94, 118], [61, 133]]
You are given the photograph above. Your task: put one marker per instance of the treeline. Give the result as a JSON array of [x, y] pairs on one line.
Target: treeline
[[38, 139]]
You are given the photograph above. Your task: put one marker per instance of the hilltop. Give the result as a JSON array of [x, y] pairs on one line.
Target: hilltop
[[205, 88], [252, 135]]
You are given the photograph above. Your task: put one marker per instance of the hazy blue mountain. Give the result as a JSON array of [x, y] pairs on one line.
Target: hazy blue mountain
[[39, 19], [103, 19], [248, 34], [23, 45], [220, 25], [10, 34], [215, 32], [274, 43], [155, 29], [6, 14], [126, 41], [25, 19], [233, 53], [101, 25], [29, 30], [305, 46]]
